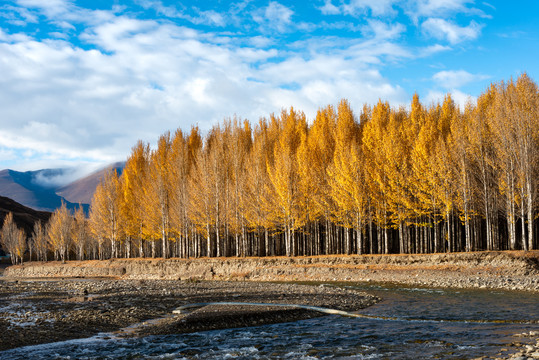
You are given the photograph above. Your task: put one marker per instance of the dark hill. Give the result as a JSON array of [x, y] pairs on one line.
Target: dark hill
[[24, 189]]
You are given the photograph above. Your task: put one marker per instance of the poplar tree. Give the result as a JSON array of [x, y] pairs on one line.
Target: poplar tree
[[482, 146], [134, 182], [158, 195], [423, 179], [318, 153], [39, 241], [240, 144], [375, 145], [80, 233], [13, 240], [347, 178], [517, 111], [181, 164], [258, 193], [205, 201], [60, 233], [284, 176], [105, 218]]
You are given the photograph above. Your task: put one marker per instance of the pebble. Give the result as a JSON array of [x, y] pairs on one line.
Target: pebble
[[528, 351], [59, 312]]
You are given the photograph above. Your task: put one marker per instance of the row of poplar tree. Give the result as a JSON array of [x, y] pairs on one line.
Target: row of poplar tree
[[420, 179]]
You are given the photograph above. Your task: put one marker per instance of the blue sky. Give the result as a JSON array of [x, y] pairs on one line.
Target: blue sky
[[83, 80]]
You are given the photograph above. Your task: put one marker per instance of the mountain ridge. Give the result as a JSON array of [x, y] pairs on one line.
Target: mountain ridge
[[82, 190], [41, 189]]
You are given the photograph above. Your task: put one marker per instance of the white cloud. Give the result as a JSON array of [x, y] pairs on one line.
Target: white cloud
[[414, 9], [376, 7], [433, 49], [374, 51], [443, 29], [134, 79], [160, 8], [460, 98], [51, 8], [93, 104], [489, 5], [456, 78], [12, 37], [59, 35], [278, 12], [17, 15], [260, 41], [382, 30], [7, 154], [210, 17], [63, 13], [428, 8], [59, 178], [275, 16], [329, 8], [441, 9]]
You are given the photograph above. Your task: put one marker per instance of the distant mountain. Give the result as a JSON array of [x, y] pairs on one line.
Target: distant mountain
[[23, 188], [23, 216], [82, 190], [46, 189]]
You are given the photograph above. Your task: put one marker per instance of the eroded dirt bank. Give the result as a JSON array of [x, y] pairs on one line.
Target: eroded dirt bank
[[508, 270]]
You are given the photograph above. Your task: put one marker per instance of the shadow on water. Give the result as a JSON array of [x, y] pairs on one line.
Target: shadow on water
[[409, 323]]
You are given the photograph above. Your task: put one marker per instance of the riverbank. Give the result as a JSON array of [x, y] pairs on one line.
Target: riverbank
[[36, 312], [448, 326], [47, 302], [525, 351], [514, 270]]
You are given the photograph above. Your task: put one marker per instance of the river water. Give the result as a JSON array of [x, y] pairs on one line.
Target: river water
[[410, 323]]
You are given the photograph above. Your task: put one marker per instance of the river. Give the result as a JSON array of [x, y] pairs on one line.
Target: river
[[410, 323]]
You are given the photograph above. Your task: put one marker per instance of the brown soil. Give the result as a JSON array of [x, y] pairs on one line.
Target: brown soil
[[507, 270]]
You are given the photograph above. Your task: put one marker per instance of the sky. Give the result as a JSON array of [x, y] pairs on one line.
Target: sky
[[82, 80]]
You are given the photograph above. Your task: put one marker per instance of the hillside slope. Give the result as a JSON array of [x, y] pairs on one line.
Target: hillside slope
[[82, 190], [20, 187], [46, 189]]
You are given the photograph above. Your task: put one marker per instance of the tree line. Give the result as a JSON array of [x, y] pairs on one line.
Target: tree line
[[417, 179], [66, 235]]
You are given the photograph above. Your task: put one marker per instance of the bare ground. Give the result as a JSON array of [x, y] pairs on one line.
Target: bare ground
[[515, 270]]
